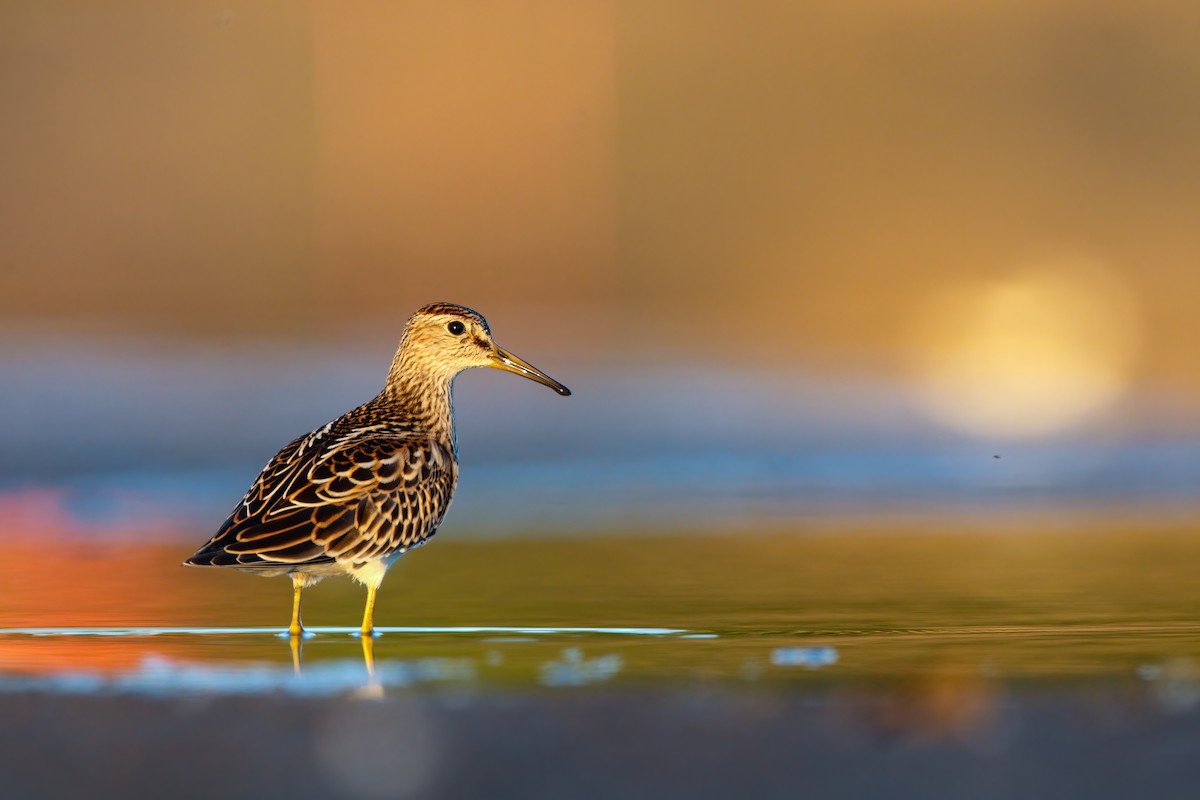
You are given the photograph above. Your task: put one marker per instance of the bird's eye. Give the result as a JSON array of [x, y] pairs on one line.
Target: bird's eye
[[456, 328]]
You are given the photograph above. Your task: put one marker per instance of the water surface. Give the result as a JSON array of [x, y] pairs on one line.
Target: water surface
[[872, 605]]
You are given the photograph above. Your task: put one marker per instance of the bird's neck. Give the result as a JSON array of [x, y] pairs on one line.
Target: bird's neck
[[423, 394]]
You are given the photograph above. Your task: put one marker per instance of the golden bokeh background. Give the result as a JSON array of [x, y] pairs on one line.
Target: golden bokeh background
[[879, 317], [993, 204]]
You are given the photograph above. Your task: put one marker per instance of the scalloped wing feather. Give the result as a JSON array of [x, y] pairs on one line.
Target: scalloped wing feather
[[364, 497]]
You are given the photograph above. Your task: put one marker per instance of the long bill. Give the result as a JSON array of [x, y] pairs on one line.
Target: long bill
[[502, 359]]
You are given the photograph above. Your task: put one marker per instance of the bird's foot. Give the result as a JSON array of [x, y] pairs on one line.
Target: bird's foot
[[296, 633]]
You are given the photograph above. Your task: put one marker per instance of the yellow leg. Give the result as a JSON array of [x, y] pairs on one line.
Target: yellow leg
[[369, 613], [297, 586]]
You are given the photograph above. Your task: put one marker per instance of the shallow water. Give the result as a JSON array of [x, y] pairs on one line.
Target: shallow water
[[873, 605]]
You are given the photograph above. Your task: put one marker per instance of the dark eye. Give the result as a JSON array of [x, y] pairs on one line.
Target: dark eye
[[456, 328]]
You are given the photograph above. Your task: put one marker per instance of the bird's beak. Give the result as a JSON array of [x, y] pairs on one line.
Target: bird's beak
[[502, 359]]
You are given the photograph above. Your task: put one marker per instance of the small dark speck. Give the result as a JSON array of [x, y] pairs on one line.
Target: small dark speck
[[995, 456]]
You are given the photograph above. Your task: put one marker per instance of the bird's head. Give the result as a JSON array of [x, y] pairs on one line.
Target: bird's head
[[449, 338]]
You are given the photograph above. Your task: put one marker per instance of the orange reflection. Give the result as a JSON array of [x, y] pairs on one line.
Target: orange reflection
[[53, 582], [63, 572], [46, 655], [71, 583]]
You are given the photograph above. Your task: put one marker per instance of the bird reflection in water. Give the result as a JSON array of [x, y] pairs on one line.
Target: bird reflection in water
[[373, 688]]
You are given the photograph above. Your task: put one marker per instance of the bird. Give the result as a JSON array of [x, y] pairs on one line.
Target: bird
[[352, 496]]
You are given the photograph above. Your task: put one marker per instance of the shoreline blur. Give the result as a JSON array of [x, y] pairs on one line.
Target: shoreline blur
[[116, 434]]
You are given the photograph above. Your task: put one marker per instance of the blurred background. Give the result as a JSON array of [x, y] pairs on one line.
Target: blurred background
[[798, 261]]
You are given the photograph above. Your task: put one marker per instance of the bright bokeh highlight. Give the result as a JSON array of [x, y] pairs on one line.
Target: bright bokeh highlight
[[1039, 352]]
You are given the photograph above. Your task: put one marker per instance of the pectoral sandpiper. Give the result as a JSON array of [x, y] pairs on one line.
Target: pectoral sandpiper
[[352, 496]]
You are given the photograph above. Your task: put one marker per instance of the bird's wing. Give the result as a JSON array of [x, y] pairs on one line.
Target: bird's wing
[[364, 497]]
